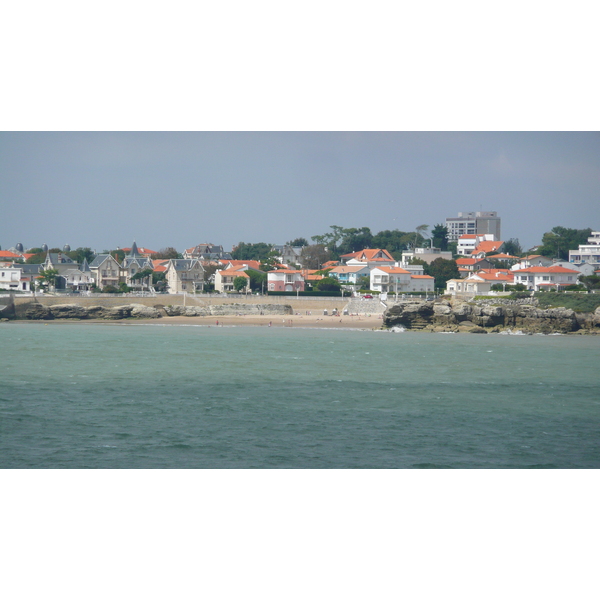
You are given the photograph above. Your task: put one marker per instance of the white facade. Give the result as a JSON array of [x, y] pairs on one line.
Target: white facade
[[467, 243], [546, 278], [397, 280], [587, 253], [473, 223], [11, 278]]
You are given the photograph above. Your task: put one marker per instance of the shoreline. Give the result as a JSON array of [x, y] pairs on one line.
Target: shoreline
[[275, 321]]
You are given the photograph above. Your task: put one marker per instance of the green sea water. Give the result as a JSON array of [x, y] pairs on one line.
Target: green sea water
[[162, 396]]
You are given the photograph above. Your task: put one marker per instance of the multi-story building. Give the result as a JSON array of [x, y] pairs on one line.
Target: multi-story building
[[472, 223], [587, 253], [285, 280], [184, 275]]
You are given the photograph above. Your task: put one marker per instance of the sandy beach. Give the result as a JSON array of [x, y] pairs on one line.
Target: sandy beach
[[304, 321]]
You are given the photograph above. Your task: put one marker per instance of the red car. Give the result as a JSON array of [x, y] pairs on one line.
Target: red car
[[367, 297]]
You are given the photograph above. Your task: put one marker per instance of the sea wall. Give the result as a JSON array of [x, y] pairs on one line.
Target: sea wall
[[445, 315]]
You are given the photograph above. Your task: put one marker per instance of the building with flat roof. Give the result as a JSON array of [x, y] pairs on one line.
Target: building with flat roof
[[473, 223]]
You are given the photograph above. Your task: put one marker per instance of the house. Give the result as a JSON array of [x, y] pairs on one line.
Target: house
[[184, 275], [133, 263], [532, 260], [373, 257], [546, 278], [349, 275], [399, 281], [58, 261], [12, 279], [587, 253], [106, 270], [289, 255], [285, 280], [75, 280], [477, 244], [207, 251], [471, 265], [224, 279]]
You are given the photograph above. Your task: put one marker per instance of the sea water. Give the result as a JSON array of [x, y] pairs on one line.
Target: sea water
[[161, 396]]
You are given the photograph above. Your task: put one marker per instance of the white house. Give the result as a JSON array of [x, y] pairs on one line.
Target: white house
[[587, 253], [11, 278], [399, 281], [540, 278], [225, 277], [348, 274]]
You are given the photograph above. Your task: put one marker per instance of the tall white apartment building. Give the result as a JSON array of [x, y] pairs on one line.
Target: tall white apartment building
[[473, 223], [587, 253]]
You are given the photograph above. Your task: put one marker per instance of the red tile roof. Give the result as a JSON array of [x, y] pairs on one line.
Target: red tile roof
[[487, 247]]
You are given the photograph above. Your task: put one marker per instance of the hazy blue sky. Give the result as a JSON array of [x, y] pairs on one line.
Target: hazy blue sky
[[105, 190]]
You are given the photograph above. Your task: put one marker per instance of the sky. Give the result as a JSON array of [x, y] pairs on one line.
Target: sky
[[104, 190]]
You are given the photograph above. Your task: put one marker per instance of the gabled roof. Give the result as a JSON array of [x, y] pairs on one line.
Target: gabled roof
[[251, 264], [488, 246], [495, 275], [184, 264], [100, 258], [9, 254], [503, 257], [369, 254]]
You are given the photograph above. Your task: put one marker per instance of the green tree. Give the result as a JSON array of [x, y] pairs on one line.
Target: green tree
[[37, 259], [439, 237], [142, 274], [558, 241], [118, 254], [394, 241], [298, 242], [269, 262], [355, 240], [512, 247], [167, 254], [239, 283], [258, 251], [48, 277], [328, 284], [591, 282], [80, 254], [258, 280], [314, 256], [442, 270], [419, 231]]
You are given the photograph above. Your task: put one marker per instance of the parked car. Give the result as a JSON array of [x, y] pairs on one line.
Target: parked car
[[367, 297]]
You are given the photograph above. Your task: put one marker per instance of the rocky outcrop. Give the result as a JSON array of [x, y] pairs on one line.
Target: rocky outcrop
[[482, 317], [36, 311], [219, 310]]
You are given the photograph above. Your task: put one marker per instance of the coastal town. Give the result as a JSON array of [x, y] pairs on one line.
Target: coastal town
[[465, 257]]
